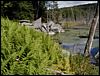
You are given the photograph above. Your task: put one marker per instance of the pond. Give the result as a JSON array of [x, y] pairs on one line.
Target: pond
[[71, 41], [79, 46]]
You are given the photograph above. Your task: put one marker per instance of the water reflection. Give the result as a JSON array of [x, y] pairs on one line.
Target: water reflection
[[79, 46]]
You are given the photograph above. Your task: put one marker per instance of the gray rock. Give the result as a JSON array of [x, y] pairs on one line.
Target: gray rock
[[37, 23]]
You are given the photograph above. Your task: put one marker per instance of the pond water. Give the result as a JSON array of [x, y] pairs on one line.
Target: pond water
[[70, 40], [79, 46]]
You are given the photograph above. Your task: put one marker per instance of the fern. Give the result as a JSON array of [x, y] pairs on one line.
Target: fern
[[36, 51]]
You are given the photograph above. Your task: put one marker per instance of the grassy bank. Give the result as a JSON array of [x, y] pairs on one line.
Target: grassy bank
[[81, 65], [69, 24], [25, 51]]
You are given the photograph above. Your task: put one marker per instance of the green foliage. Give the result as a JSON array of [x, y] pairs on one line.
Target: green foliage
[[17, 9], [35, 50], [81, 65], [64, 64], [26, 10], [23, 9]]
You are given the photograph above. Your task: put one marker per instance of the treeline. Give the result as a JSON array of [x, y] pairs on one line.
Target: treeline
[[34, 9], [23, 9], [80, 13]]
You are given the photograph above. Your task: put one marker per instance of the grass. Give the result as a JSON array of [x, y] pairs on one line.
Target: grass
[[70, 24], [81, 65]]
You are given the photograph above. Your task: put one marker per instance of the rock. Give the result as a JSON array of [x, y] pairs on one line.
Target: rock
[[44, 27], [51, 33], [54, 27], [25, 22], [37, 23], [50, 23]]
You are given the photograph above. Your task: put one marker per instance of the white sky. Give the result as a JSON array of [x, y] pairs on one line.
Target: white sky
[[73, 3]]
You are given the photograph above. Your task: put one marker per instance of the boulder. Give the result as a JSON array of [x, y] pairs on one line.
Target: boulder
[[37, 23]]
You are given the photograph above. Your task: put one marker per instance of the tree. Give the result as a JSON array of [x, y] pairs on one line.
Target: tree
[[52, 12], [56, 13], [92, 32], [43, 11], [47, 4], [17, 9], [25, 10], [39, 9]]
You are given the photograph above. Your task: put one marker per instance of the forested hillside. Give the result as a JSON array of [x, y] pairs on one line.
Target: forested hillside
[[81, 13], [33, 10]]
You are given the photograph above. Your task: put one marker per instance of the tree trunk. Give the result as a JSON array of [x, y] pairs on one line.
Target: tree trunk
[[47, 16], [92, 32], [73, 19]]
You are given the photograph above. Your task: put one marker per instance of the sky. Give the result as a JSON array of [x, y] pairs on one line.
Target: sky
[[73, 3]]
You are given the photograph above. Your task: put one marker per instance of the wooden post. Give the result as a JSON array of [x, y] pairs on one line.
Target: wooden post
[[92, 32]]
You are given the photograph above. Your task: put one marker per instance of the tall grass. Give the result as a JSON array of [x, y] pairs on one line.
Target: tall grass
[[34, 50], [81, 65]]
